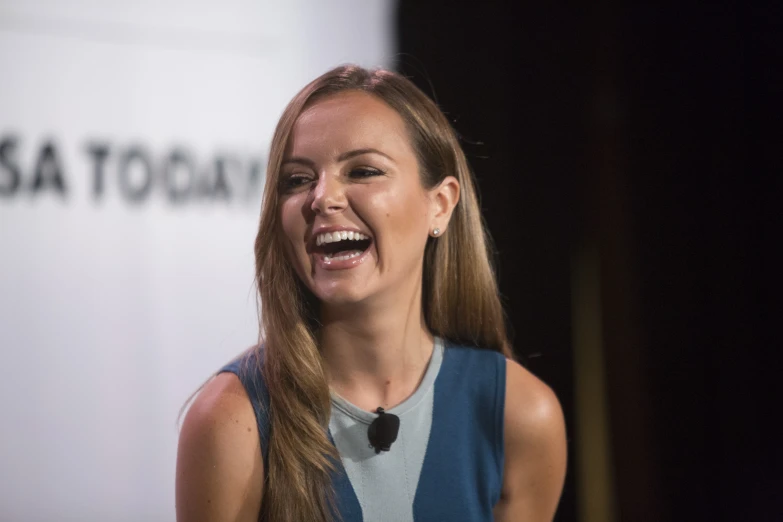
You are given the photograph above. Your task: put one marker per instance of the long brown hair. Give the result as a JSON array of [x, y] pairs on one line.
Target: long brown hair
[[460, 296]]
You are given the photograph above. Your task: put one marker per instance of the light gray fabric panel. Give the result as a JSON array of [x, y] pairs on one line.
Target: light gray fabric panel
[[385, 483]]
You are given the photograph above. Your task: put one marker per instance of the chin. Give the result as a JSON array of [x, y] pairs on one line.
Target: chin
[[339, 295]]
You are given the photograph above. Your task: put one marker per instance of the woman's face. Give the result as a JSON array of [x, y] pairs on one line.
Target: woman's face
[[355, 216]]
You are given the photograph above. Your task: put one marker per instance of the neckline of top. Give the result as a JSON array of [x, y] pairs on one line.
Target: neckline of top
[[366, 417]]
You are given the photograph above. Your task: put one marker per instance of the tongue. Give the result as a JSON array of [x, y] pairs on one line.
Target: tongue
[[347, 251], [344, 247]]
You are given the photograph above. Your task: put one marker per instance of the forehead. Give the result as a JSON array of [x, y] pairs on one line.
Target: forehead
[[348, 121]]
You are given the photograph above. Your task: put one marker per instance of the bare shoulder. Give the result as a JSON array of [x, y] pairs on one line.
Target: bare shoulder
[[219, 465], [535, 448], [532, 409]]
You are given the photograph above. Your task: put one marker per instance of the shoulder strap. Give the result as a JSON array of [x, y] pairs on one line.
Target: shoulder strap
[[462, 474], [248, 368]]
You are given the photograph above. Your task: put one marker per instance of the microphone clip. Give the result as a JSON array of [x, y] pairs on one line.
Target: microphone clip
[[383, 430]]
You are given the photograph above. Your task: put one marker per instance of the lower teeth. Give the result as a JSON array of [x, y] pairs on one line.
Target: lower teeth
[[329, 257]]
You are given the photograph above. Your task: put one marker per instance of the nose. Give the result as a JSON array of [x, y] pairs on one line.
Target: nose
[[328, 196]]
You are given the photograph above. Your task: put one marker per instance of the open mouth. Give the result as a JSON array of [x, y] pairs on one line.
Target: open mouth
[[341, 245]]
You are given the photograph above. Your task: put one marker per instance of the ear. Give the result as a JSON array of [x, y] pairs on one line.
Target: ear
[[443, 199]]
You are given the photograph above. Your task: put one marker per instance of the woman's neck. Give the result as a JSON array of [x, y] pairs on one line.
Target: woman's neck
[[376, 355]]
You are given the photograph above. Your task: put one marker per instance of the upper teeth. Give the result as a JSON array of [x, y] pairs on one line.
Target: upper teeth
[[331, 237]]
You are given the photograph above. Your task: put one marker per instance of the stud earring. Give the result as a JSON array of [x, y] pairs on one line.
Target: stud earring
[[436, 232]]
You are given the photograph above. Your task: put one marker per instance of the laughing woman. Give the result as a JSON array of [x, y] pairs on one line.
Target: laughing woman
[[384, 388]]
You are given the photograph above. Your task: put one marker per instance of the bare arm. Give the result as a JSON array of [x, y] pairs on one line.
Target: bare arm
[[219, 466], [535, 449]]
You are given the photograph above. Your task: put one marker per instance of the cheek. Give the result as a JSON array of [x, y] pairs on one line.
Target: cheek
[[293, 228], [404, 205], [291, 214], [401, 213]]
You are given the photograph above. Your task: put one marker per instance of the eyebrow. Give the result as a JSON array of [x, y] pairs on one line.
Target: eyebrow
[[358, 152], [342, 157]]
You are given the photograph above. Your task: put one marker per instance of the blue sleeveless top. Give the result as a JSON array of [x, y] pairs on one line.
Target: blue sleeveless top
[[462, 471]]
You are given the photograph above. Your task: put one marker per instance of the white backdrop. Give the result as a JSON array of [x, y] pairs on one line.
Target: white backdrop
[[132, 140]]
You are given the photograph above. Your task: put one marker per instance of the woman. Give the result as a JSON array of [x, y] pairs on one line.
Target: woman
[[377, 294]]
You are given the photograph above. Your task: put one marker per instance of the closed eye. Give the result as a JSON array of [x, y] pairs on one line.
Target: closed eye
[[365, 172], [294, 181]]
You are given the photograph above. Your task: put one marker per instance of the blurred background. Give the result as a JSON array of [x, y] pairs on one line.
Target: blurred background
[[625, 155]]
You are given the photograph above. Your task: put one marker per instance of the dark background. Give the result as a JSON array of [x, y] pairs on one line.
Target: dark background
[[651, 133]]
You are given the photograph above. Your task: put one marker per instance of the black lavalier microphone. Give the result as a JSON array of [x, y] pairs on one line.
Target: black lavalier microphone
[[383, 430]]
